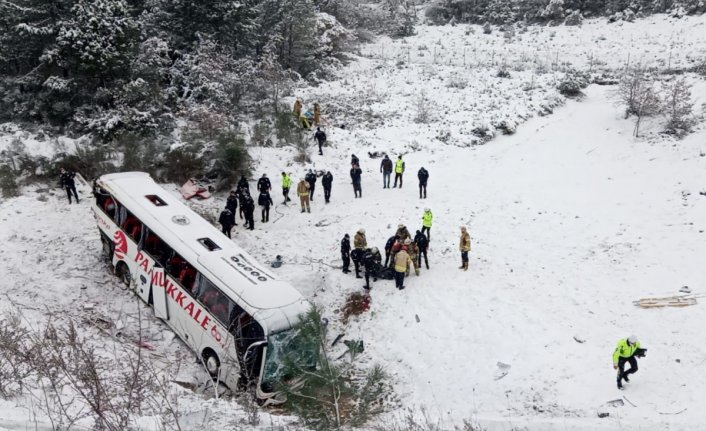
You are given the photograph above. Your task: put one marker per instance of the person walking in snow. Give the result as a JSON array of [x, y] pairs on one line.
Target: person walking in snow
[[402, 265], [422, 244], [346, 253], [465, 246], [226, 220], [356, 173], [232, 205], [327, 182], [399, 170], [311, 179], [297, 109], [303, 193], [627, 351], [248, 207], [320, 137], [264, 200], [360, 243], [423, 176], [427, 219], [286, 185], [263, 184], [68, 183], [317, 115], [386, 169]]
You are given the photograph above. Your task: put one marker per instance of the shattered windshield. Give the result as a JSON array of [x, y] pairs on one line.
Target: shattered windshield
[[285, 351]]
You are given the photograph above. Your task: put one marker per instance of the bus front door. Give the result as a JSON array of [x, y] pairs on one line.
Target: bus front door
[[159, 292], [143, 275]]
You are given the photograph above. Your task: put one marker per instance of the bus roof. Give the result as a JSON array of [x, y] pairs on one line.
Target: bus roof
[[273, 302]]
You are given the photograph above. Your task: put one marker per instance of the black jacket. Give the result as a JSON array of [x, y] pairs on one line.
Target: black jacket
[[310, 178], [67, 179], [265, 200], [263, 184], [346, 247], [320, 136], [226, 218], [327, 180], [423, 176], [355, 174], [354, 160], [243, 184], [421, 240], [232, 203], [390, 242], [248, 205], [386, 165]]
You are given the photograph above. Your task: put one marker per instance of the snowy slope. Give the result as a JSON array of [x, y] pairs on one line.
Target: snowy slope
[[572, 219]]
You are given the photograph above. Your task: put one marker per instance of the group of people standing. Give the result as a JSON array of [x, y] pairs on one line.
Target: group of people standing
[[241, 197]]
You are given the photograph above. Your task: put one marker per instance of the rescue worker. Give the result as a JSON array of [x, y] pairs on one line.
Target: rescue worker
[[413, 252], [359, 245], [249, 210], [368, 264], [226, 220], [402, 264], [427, 219], [346, 253], [386, 169], [243, 183], [465, 246], [264, 200], [327, 181], [356, 173], [628, 350], [423, 176], [303, 193], [388, 248], [317, 115], [263, 184], [320, 138], [242, 195], [297, 110], [399, 170], [68, 183], [286, 185], [232, 205], [311, 179], [422, 244], [403, 233]]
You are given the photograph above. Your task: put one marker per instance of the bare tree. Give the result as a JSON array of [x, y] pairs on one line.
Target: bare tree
[[637, 92], [678, 106]]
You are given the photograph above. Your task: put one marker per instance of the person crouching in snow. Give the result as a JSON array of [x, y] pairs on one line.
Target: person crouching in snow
[[628, 350]]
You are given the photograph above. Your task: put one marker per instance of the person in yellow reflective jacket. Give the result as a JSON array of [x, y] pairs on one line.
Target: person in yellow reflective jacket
[[286, 185], [399, 170], [628, 350], [427, 218]]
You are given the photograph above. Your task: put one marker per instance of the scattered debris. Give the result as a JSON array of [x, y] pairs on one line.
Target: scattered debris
[[356, 304], [579, 339], [603, 414], [416, 317], [669, 301], [354, 347], [626, 399], [675, 413], [199, 188], [616, 403], [685, 289], [337, 339], [503, 370]]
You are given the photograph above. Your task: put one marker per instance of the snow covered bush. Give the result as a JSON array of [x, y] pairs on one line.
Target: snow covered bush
[[437, 14], [678, 106], [230, 160], [573, 82], [8, 189]]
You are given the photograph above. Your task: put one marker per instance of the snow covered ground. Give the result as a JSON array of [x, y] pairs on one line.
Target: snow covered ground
[[572, 219]]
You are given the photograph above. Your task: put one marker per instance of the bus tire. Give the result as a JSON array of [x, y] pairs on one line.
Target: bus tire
[[123, 273], [108, 247], [211, 362]]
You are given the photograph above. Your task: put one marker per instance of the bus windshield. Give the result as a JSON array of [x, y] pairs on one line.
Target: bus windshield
[[285, 351]]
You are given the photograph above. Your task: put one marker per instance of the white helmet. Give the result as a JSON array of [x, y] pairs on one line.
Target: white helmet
[[632, 339], [374, 250], [361, 230], [426, 210]]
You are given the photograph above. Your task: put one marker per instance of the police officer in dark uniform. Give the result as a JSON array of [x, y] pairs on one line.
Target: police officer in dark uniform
[[67, 183], [346, 253]]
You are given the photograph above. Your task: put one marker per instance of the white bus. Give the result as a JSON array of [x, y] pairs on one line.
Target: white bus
[[223, 304]]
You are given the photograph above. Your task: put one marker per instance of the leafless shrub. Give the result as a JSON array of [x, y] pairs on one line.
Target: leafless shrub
[[678, 106], [636, 92], [423, 108]]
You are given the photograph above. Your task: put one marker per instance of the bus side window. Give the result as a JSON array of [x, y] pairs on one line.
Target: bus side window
[[157, 248], [106, 202], [214, 301], [174, 265], [132, 226]]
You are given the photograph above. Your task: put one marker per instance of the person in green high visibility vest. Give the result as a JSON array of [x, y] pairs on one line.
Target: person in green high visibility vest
[[399, 170], [427, 218], [628, 350], [286, 185]]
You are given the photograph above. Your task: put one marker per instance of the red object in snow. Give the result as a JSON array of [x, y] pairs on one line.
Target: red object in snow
[[193, 188]]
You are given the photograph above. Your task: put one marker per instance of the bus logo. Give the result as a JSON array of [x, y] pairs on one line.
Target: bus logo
[[120, 244]]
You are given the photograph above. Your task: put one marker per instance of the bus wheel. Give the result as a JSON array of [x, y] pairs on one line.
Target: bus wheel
[[123, 273], [107, 248], [211, 362]]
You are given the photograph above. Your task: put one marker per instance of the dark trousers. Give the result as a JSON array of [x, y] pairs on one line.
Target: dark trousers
[[357, 190], [265, 214], [367, 277], [622, 373], [327, 193], [464, 256], [69, 190], [226, 230], [398, 176], [419, 258], [311, 191], [428, 232], [346, 257], [399, 279], [387, 257], [250, 220], [386, 179], [422, 187], [285, 193], [321, 152]]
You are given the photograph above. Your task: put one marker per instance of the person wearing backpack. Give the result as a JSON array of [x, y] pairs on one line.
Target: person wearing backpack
[[320, 137]]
